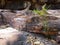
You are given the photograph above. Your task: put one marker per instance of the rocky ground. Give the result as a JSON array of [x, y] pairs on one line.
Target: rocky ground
[[30, 35], [25, 38]]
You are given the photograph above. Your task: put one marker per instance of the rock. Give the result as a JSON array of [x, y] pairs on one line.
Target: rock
[[33, 23], [28, 22], [54, 12], [38, 43], [2, 26], [58, 39], [10, 36], [38, 40], [53, 41], [19, 22], [8, 16]]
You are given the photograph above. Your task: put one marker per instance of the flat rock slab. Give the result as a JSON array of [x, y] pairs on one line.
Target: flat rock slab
[[10, 36]]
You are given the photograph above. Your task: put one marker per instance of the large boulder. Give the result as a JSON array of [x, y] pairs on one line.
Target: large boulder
[[33, 23], [10, 36]]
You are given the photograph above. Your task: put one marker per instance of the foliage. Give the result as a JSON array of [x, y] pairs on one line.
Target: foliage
[[41, 12]]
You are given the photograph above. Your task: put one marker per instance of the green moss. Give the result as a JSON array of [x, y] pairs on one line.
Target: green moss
[[41, 12]]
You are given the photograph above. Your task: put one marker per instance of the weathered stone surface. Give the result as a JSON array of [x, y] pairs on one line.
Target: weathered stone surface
[[1, 18], [54, 12], [32, 23], [35, 24], [8, 16], [10, 36], [58, 39], [19, 22]]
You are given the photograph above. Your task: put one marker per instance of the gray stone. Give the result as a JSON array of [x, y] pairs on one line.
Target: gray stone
[[10, 36]]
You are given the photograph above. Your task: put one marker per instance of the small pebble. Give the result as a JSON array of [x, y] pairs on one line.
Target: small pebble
[[38, 43]]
